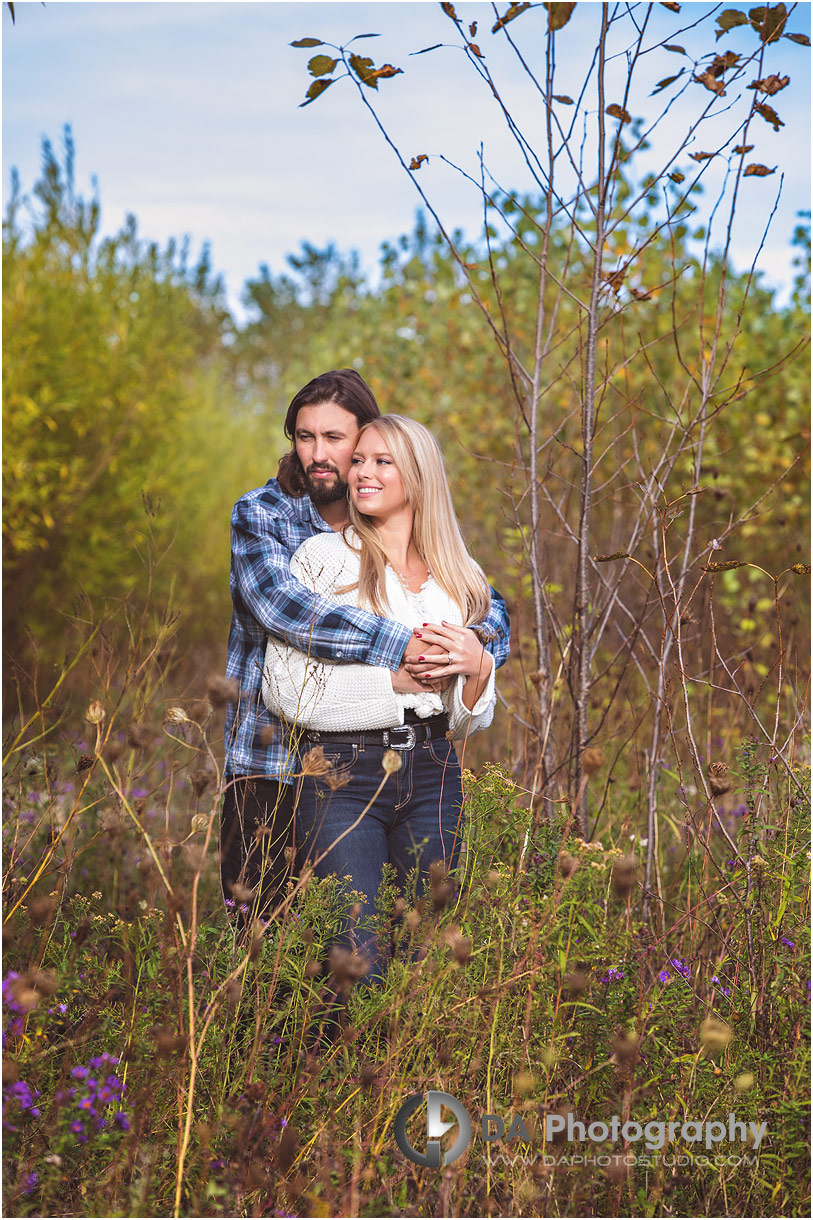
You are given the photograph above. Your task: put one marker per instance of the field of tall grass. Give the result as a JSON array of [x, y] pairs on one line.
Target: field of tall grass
[[161, 1058]]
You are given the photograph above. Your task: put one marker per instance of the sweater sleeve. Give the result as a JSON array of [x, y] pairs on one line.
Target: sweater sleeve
[[298, 687], [464, 720]]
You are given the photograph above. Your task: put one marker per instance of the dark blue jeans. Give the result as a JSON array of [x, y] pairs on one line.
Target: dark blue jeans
[[415, 820]]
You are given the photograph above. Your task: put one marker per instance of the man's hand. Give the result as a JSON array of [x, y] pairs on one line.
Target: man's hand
[[404, 683], [417, 670]]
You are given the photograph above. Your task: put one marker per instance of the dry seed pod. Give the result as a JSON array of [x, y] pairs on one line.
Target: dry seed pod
[[391, 762], [593, 760], [314, 763], [625, 875], [625, 1045], [715, 1035], [567, 864], [95, 713], [222, 690], [719, 783]]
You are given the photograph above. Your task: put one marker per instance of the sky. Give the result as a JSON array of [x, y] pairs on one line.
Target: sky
[[188, 115]]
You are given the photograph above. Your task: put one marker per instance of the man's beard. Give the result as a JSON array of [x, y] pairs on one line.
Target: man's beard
[[321, 492]]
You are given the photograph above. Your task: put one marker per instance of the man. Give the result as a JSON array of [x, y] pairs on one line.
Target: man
[[268, 525]]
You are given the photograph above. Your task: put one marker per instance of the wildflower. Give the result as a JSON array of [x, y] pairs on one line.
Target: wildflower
[[790, 943], [30, 1183], [664, 976], [613, 975], [680, 966]]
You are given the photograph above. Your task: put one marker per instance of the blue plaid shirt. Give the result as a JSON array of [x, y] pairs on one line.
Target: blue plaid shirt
[[267, 527]]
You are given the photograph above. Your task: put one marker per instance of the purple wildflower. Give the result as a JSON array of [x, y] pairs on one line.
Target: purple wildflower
[[30, 1183], [664, 976], [790, 943], [613, 975]]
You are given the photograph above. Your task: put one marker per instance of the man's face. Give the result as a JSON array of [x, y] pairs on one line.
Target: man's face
[[325, 438]]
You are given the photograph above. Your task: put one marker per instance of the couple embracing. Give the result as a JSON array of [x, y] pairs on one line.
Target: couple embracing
[[360, 625]]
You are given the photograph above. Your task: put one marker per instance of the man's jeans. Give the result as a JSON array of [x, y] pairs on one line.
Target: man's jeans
[[256, 825], [415, 820]]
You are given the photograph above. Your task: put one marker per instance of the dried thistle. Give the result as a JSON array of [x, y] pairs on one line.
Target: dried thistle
[[625, 873], [167, 1040], [593, 760], [95, 713], [200, 780], [241, 893], [199, 823], [176, 715], [336, 779], [315, 764], [85, 762], [625, 1045], [113, 750], [222, 690], [139, 737], [576, 982], [40, 910], [719, 784], [391, 762], [193, 856], [347, 967], [538, 677], [715, 1035], [567, 864], [199, 710], [460, 945]]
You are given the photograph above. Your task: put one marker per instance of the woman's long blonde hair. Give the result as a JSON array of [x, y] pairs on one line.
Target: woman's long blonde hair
[[435, 531]]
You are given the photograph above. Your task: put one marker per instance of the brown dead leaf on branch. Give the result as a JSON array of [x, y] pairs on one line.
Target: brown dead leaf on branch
[[418, 161], [769, 115], [614, 279], [758, 171], [513, 11], [770, 84], [742, 149], [702, 156], [618, 112]]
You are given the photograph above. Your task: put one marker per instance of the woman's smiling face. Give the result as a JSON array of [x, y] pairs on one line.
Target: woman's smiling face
[[376, 486]]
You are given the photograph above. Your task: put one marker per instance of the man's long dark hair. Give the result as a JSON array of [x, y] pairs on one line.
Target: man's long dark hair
[[347, 390]]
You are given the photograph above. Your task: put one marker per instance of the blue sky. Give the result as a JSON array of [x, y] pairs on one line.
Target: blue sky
[[188, 114]]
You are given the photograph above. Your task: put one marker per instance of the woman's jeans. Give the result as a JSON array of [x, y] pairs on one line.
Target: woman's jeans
[[415, 820]]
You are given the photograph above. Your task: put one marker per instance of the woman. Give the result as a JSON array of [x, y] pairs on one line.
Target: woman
[[402, 556]]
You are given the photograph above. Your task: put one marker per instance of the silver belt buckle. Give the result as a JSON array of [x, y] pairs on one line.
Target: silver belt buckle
[[402, 728]]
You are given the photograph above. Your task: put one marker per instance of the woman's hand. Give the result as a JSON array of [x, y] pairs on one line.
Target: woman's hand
[[462, 653]]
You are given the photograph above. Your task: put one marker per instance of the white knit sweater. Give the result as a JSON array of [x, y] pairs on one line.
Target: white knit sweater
[[332, 696]]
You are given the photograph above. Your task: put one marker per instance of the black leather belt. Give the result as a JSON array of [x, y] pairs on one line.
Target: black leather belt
[[403, 737]]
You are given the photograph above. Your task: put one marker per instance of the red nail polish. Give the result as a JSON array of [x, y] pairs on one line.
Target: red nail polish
[[418, 634], [421, 658], [424, 624]]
